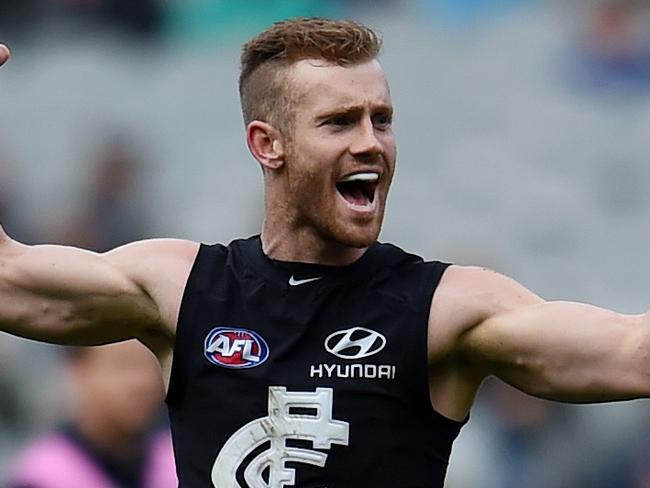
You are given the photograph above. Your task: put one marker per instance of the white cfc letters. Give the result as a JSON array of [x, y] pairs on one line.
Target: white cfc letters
[[281, 424]]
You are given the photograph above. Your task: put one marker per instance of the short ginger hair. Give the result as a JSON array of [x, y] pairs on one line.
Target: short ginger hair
[[264, 87]]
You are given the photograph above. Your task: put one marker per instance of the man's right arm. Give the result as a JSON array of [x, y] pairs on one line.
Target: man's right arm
[[67, 295]]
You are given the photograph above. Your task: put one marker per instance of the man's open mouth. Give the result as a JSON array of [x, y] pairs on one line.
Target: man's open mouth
[[359, 189]]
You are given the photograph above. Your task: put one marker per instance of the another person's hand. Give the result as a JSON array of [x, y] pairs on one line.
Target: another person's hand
[[5, 54]]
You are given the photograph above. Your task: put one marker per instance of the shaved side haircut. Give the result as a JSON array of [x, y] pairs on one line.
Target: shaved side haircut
[[264, 85]]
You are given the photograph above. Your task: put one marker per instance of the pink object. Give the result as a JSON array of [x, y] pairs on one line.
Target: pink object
[[54, 461]]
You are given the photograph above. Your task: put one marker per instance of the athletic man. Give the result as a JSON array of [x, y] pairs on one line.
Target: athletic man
[[312, 355]]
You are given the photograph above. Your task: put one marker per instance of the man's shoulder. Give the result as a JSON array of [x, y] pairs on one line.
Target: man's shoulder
[[157, 247], [474, 290], [477, 284], [151, 257], [468, 296]]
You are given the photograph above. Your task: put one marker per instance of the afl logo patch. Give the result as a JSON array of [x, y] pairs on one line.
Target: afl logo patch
[[235, 348]]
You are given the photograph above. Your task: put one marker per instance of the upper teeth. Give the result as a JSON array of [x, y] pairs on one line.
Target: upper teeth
[[361, 177]]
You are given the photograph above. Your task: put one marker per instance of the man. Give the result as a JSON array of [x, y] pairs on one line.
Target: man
[[110, 440], [312, 355]]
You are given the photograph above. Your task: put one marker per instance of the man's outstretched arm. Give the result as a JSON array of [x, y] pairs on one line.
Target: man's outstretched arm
[[563, 351], [71, 296]]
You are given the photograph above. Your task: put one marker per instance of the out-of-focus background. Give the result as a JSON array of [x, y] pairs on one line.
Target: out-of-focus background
[[524, 145]]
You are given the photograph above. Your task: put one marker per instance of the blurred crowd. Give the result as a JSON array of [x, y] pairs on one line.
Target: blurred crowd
[[101, 421], [151, 19], [594, 78]]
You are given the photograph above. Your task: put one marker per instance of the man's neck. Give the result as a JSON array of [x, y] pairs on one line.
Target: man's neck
[[306, 247]]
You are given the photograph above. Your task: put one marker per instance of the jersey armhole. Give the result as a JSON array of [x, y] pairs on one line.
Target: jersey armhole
[[197, 281], [432, 278]]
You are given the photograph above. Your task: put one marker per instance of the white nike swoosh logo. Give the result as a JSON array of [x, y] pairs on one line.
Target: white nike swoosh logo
[[295, 282]]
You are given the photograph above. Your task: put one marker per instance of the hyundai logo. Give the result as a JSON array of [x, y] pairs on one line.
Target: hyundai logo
[[354, 343]]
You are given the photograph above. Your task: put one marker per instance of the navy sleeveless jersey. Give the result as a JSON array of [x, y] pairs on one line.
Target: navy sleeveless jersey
[[293, 374]]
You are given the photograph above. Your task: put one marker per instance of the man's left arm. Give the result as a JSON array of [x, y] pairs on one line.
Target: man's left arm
[[563, 351]]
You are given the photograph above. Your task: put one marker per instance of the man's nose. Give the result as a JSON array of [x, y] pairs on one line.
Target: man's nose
[[365, 141]]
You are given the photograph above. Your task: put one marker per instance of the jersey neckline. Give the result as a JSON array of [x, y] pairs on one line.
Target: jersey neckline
[[293, 274]]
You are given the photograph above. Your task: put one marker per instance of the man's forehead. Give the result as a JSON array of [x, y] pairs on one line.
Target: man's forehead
[[319, 82]]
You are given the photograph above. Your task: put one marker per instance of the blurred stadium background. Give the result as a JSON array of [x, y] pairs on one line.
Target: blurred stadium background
[[524, 141]]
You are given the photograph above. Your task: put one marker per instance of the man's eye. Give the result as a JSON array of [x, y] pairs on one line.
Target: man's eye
[[339, 121], [382, 120]]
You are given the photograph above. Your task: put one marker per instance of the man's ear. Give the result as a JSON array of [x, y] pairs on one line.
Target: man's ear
[[265, 144]]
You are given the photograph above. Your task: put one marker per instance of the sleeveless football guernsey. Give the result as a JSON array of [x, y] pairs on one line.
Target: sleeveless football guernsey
[[293, 374]]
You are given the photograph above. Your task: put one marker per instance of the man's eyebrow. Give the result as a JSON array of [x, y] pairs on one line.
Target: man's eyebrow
[[353, 110]]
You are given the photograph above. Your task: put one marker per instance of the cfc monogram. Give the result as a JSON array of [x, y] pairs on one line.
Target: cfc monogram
[[281, 424]]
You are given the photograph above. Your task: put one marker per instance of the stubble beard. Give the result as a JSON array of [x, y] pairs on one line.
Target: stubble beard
[[322, 221], [317, 211]]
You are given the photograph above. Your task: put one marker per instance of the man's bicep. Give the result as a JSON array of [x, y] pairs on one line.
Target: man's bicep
[[68, 295], [466, 297], [161, 268], [565, 351]]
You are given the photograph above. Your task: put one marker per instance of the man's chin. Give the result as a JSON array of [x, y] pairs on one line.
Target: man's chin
[[358, 238]]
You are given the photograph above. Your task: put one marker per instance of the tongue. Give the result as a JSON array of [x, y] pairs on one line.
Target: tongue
[[354, 195]]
